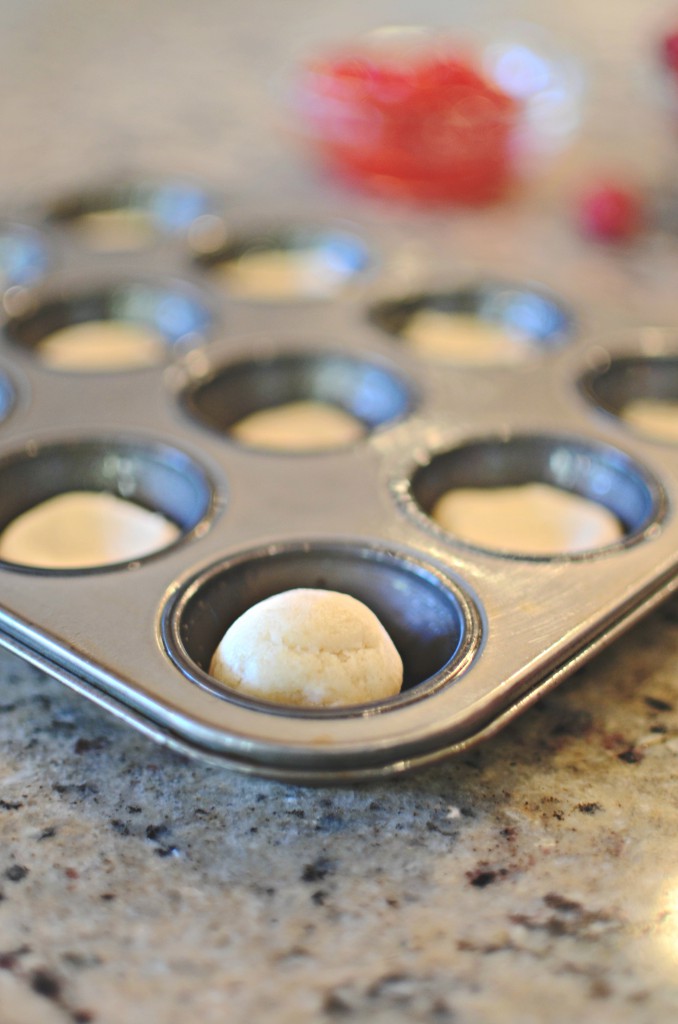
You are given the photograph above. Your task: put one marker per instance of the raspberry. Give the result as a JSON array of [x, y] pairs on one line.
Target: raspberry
[[611, 212], [669, 51]]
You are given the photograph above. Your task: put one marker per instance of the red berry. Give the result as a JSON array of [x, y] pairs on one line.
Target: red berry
[[669, 51], [611, 212]]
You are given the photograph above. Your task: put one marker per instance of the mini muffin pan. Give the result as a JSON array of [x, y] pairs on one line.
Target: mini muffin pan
[[482, 633]]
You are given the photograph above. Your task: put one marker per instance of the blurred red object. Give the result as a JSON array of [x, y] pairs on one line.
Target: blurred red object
[[669, 51], [419, 126], [611, 212]]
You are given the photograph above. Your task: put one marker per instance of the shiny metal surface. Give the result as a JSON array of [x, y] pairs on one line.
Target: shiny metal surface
[[482, 633]]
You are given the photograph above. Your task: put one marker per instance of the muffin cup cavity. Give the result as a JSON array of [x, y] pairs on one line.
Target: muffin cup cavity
[[174, 318], [600, 473], [129, 216], [521, 322], [371, 393], [621, 384], [432, 622], [7, 397], [24, 258], [287, 264], [154, 476]]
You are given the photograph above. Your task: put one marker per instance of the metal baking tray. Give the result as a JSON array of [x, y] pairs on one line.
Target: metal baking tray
[[482, 634]]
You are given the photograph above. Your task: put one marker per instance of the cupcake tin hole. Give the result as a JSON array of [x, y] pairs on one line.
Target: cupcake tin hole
[[480, 324], [122, 218], [24, 257], [287, 264], [640, 391], [125, 326], [431, 622], [155, 477], [372, 395], [6, 397], [600, 474]]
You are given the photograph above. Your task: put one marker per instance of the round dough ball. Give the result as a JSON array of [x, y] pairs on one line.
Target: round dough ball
[[115, 230], [529, 519], [309, 648], [83, 529], [655, 417], [102, 345], [273, 274], [466, 339], [299, 426]]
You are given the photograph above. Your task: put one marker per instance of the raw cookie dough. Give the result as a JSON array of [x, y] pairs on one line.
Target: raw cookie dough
[[299, 426], [115, 230], [531, 519], [465, 338], [653, 416], [81, 529], [102, 345], [280, 274], [309, 648]]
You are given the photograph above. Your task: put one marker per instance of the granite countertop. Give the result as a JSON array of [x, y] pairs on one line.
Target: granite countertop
[[531, 880]]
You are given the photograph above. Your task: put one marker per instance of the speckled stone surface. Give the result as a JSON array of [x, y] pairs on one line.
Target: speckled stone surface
[[534, 880]]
